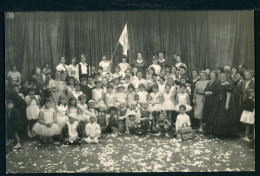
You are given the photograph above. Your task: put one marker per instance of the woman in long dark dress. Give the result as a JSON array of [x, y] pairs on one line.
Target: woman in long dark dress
[[210, 92], [220, 123]]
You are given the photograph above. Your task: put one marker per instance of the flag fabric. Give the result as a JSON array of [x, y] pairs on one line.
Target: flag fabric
[[123, 40]]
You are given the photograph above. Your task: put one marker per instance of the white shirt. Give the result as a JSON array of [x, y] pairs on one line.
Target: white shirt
[[181, 119], [62, 67], [157, 68], [136, 82], [72, 70], [93, 129]]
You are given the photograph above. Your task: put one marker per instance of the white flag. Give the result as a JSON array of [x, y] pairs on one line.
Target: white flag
[[123, 40]]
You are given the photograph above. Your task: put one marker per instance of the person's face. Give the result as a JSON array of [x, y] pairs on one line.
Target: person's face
[[16, 89], [182, 110], [25, 85], [139, 75], [127, 80], [130, 89], [183, 81], [98, 85], [83, 59], [177, 73], [182, 89], [63, 101], [62, 60], [47, 105], [10, 105], [222, 77], [155, 89], [31, 93], [132, 117], [104, 58], [173, 70], [202, 76], [123, 105], [83, 100], [72, 120], [207, 71], [174, 56], [194, 74], [107, 76], [155, 78], [77, 87], [160, 55], [139, 56], [47, 65], [135, 70], [38, 71], [73, 61], [248, 75], [14, 68], [57, 75], [124, 59], [91, 105], [44, 70], [63, 76], [145, 106], [163, 72], [112, 83], [120, 89], [113, 112], [93, 68], [127, 72], [162, 116], [178, 59], [104, 81], [133, 106], [92, 119], [161, 81], [100, 70], [212, 76], [84, 82], [239, 77], [90, 81], [234, 70], [170, 81], [151, 71], [142, 88], [109, 90], [71, 81], [182, 71], [155, 61]]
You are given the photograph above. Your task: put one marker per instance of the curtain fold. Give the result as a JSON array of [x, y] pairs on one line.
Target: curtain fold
[[202, 38]]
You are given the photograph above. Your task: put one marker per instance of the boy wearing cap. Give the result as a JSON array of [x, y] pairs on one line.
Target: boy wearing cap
[[92, 131], [91, 107], [132, 123], [72, 131], [82, 69], [85, 89]]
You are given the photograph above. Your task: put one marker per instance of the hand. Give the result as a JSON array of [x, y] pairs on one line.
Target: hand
[[194, 102], [227, 106]]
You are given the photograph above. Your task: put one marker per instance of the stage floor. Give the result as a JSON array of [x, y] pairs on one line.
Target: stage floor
[[134, 154]]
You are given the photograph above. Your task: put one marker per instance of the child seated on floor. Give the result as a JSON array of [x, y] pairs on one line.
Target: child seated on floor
[[182, 118], [112, 121], [92, 131], [164, 125], [146, 118], [46, 126], [133, 124], [101, 118], [72, 131], [122, 116], [12, 123]]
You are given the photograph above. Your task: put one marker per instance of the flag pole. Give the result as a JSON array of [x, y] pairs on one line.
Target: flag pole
[[116, 46]]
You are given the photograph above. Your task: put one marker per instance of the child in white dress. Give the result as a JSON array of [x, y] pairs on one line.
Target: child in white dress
[[46, 127], [155, 104], [168, 102], [120, 95], [142, 95], [92, 131], [32, 110], [72, 106], [181, 119], [62, 111], [124, 65], [110, 97], [98, 94], [161, 84], [183, 97]]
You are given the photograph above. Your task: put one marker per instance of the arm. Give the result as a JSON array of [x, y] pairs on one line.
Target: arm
[[227, 101], [194, 96], [77, 72], [41, 119], [188, 99]]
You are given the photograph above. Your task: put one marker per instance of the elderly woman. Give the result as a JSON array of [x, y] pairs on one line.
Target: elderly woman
[[199, 98], [220, 123]]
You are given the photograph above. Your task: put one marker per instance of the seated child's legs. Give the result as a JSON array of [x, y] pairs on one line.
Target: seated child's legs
[[95, 140], [87, 140], [115, 130]]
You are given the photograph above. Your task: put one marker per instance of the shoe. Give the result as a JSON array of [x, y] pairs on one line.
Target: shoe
[[200, 130], [157, 134], [17, 146], [167, 135], [246, 139]]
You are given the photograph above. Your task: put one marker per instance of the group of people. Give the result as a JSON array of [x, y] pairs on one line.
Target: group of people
[[82, 101]]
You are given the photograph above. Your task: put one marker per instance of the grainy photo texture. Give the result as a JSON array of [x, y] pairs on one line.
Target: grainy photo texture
[[129, 91]]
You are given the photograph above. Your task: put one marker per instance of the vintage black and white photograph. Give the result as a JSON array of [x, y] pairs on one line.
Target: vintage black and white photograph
[[129, 91]]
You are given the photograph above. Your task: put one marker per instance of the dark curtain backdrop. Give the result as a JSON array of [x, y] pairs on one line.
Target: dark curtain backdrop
[[202, 38]]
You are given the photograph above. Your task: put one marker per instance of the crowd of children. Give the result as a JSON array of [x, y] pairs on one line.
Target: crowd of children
[[82, 103]]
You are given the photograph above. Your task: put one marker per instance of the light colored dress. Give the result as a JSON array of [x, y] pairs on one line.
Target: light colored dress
[[142, 96], [123, 67], [73, 111], [155, 97], [110, 99], [168, 103], [182, 100], [84, 116], [130, 98], [62, 118], [120, 96], [42, 130], [97, 95], [33, 110], [181, 119], [105, 65], [161, 88], [72, 70], [60, 88], [200, 98], [77, 94], [70, 89]]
